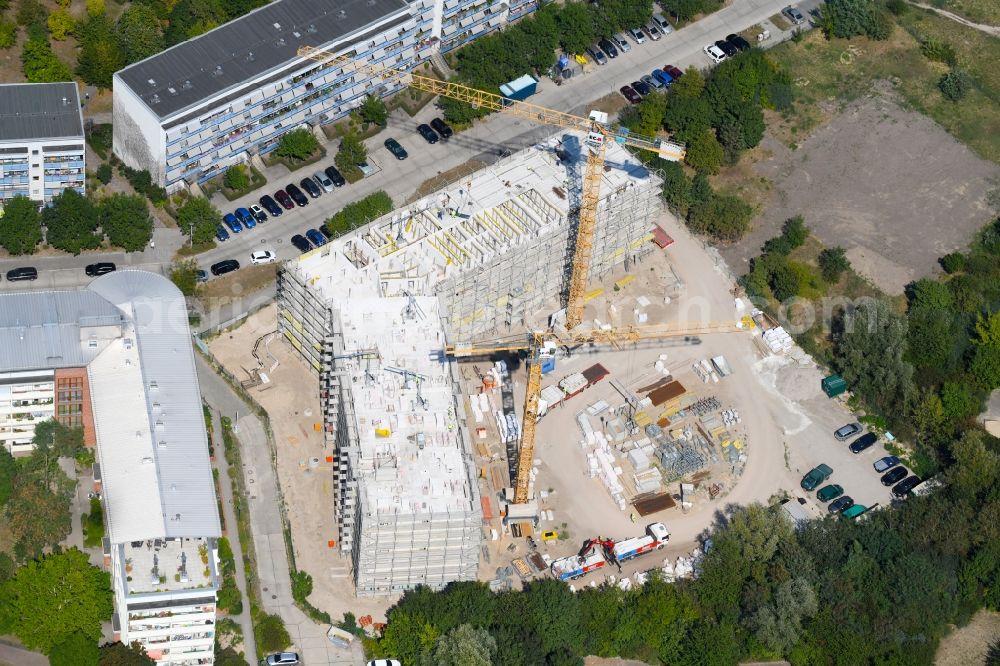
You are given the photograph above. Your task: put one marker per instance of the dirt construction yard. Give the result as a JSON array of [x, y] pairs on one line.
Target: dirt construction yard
[[887, 184]]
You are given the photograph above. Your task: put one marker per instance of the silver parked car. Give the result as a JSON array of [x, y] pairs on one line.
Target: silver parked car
[[323, 181], [847, 431]]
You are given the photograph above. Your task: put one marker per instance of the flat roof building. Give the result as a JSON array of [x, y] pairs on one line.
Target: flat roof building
[[228, 95], [373, 310], [41, 141], [126, 337]]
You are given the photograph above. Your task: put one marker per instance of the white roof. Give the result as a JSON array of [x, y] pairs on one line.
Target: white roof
[[151, 438]]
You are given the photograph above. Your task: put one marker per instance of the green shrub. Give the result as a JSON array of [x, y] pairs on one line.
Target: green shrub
[[952, 262], [104, 173], [954, 85], [939, 51], [832, 263], [298, 144]]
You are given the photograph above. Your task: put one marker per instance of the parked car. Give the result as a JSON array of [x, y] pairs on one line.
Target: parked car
[[672, 71], [637, 35], [853, 511], [662, 23], [894, 476], [737, 41], [727, 48], [284, 199], [282, 659], [397, 150], [840, 504], [100, 268], [310, 186], [903, 488], [230, 221], [608, 48], [263, 257], [641, 88], [300, 243], [258, 213], [815, 476], [297, 196], [866, 441], [442, 128], [651, 82], [652, 31], [830, 492], [597, 55], [23, 273], [221, 233], [621, 42], [662, 77], [430, 136], [847, 431], [631, 95], [201, 276], [323, 181], [715, 53], [246, 218], [226, 266], [885, 464], [270, 205], [335, 176], [793, 14], [384, 662], [316, 237]]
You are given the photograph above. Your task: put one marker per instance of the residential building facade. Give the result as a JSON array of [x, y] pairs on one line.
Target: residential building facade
[[219, 99], [41, 141]]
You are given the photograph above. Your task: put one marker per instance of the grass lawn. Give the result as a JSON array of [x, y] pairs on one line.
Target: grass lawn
[[979, 11], [834, 72]]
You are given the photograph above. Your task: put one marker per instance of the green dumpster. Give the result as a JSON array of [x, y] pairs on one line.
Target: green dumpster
[[834, 385]]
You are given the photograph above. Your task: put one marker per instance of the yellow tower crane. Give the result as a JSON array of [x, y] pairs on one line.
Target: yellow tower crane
[[596, 128]]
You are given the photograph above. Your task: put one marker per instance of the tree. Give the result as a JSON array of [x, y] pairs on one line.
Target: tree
[[976, 468], [297, 145], [8, 34], [647, 117], [95, 7], [687, 117], [21, 230], [51, 598], [871, 355], [723, 216], [104, 173], [37, 517], [373, 110], [953, 262], [576, 27], [71, 222], [778, 625], [690, 85], [985, 367], [64, 441], [704, 153], [930, 421], [850, 18], [61, 24], [199, 219], [784, 281], [40, 64], [236, 178], [270, 633], [100, 53], [954, 84], [795, 231], [676, 188], [75, 650], [351, 153], [8, 470], [126, 221], [464, 646], [139, 33], [184, 274], [832, 263], [119, 654]]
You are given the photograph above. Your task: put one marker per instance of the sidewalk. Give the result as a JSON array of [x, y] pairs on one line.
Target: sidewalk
[[308, 638]]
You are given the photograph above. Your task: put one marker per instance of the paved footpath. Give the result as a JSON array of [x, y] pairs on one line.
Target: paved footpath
[[308, 638]]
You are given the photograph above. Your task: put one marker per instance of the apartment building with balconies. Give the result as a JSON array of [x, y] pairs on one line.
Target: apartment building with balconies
[[462, 21], [41, 141]]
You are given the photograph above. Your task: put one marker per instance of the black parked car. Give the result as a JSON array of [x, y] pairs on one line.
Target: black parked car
[[441, 127], [223, 267], [297, 196], [270, 205], [727, 48], [903, 488], [335, 176], [300, 243], [430, 136], [397, 150], [864, 442], [838, 505], [310, 186], [737, 41], [894, 475], [641, 87], [100, 268], [25, 273], [608, 48]]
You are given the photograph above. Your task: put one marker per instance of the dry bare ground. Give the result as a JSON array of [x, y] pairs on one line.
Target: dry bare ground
[[967, 646]]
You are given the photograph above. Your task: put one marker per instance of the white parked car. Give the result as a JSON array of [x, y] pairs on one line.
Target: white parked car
[[715, 53], [384, 662], [637, 35], [263, 257], [282, 659], [652, 30], [323, 181]]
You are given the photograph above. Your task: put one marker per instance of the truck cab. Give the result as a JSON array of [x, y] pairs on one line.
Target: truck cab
[[659, 532]]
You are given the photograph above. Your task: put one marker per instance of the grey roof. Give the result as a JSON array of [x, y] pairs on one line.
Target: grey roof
[[245, 48], [186, 502], [37, 111], [42, 329]]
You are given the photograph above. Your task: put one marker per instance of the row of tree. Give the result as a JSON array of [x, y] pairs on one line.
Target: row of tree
[[74, 223]]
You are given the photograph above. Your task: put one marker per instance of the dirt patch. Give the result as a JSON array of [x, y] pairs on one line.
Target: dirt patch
[[611, 104], [228, 288], [878, 180], [969, 644], [445, 178]]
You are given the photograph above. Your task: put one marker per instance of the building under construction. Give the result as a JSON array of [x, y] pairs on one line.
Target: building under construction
[[372, 311]]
